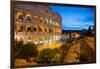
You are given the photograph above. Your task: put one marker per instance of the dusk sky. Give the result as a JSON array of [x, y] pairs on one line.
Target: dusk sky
[[75, 18]]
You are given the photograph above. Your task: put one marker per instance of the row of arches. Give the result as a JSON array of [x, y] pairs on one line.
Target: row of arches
[[36, 29], [29, 18], [39, 40]]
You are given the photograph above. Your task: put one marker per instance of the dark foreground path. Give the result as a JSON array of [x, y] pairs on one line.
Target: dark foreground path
[[73, 54], [83, 52], [87, 54]]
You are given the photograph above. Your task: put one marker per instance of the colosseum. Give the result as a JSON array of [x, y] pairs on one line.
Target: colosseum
[[37, 23]]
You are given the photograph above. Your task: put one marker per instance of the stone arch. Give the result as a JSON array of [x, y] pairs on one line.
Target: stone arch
[[29, 39], [50, 30], [46, 29], [20, 29], [41, 19], [28, 16], [35, 29], [40, 29], [29, 29], [35, 19], [19, 15]]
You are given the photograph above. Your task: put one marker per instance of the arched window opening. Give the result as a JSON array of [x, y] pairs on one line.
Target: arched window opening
[[41, 19], [28, 16], [21, 29], [50, 30], [19, 18], [45, 21], [35, 19], [39, 29], [46, 30], [29, 29], [29, 39], [19, 15], [34, 29]]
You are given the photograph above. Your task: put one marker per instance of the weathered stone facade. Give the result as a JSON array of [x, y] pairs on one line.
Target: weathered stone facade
[[37, 23]]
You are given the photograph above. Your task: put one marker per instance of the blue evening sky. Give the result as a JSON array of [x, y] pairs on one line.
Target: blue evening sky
[[75, 18]]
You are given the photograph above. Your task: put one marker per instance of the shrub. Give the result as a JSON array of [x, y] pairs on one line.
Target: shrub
[[17, 48], [26, 51], [69, 40], [29, 50], [47, 56]]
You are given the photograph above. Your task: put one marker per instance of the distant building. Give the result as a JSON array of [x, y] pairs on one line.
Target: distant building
[[37, 23]]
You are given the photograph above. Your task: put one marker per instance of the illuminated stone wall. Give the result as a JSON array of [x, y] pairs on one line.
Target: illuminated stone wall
[[37, 23]]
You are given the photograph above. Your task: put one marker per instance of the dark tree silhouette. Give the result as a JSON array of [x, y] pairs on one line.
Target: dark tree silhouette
[[17, 48], [89, 31], [26, 51], [29, 50]]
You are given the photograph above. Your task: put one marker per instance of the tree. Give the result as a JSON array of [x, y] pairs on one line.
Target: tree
[[63, 48], [28, 50], [89, 31], [17, 48]]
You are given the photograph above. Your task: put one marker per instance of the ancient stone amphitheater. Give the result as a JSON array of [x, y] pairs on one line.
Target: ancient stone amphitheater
[[37, 23]]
